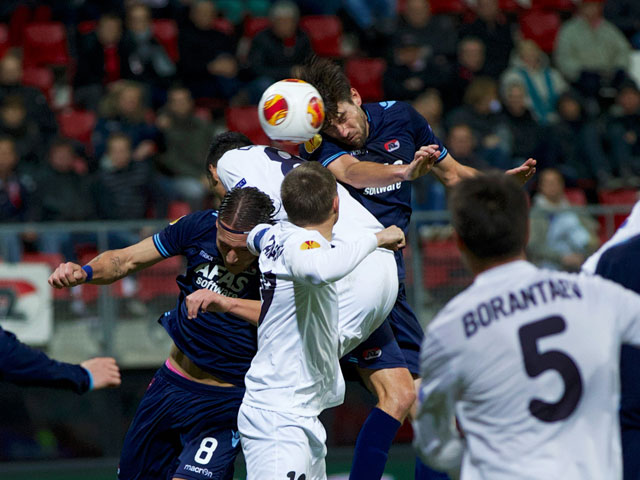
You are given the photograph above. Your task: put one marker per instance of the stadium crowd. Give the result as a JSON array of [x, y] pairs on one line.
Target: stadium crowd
[[107, 108]]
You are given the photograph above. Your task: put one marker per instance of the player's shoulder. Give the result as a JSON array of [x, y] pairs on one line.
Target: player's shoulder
[[201, 220], [238, 155], [388, 109]]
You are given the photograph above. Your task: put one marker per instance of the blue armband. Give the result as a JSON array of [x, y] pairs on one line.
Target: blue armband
[[89, 272]]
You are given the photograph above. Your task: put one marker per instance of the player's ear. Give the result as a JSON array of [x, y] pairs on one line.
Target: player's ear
[[213, 171], [336, 204], [355, 97]]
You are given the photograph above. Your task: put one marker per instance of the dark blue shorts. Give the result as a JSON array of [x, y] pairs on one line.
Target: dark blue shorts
[[182, 429], [396, 343]]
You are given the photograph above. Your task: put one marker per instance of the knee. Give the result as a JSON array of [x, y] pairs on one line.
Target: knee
[[397, 399]]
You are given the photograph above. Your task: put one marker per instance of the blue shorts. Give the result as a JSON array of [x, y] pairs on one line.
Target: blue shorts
[[396, 343], [182, 429]]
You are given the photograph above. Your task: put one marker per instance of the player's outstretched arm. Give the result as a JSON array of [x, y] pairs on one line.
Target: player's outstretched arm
[[204, 300], [524, 172], [104, 371], [107, 267], [450, 172]]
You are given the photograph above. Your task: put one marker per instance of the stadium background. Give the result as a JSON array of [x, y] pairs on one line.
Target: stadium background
[[66, 86]]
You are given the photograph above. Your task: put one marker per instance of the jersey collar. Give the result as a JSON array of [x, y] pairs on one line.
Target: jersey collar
[[506, 272]]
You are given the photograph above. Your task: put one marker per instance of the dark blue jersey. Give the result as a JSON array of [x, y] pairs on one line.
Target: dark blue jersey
[[396, 132], [220, 344], [23, 365]]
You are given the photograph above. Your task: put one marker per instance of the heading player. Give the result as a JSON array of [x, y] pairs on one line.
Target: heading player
[[526, 359], [185, 425], [372, 149], [295, 374]]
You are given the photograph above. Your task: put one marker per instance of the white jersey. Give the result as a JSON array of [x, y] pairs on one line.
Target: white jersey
[[368, 294], [630, 228], [296, 368], [527, 360]]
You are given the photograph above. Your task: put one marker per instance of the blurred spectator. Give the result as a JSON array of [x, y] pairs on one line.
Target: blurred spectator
[[123, 111], [372, 16], [207, 63], [462, 145], [236, 10], [435, 34], [123, 186], [495, 32], [482, 111], [37, 108], [526, 134], [411, 70], [560, 239], [276, 51], [100, 58], [187, 139], [29, 142], [625, 14], [542, 84], [469, 65], [146, 60], [590, 51], [429, 105], [623, 131], [16, 200]]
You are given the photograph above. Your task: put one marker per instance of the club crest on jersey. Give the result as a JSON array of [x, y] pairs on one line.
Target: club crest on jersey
[[392, 145], [372, 353], [313, 143], [309, 244]]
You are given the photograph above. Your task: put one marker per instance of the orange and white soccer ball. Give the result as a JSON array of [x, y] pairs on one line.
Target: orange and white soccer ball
[[291, 110]]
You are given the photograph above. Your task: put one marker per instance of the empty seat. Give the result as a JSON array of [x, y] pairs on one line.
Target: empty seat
[[325, 33], [542, 27], [576, 196], [45, 44], [245, 120], [166, 32], [365, 75]]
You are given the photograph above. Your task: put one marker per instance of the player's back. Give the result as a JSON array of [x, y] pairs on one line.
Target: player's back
[[535, 357]]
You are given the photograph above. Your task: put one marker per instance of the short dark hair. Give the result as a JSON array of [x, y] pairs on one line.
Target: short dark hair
[[244, 208], [224, 142], [490, 214], [307, 194], [330, 81]]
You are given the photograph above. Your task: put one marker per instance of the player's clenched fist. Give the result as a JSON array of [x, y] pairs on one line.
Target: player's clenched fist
[[104, 371], [67, 275], [391, 237]]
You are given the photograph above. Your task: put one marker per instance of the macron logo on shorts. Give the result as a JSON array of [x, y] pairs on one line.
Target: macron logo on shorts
[[372, 354]]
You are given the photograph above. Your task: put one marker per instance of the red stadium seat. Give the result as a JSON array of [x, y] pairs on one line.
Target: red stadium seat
[[166, 32], [87, 26], [45, 44], [554, 5], [42, 13], [365, 75], [447, 6], [615, 197], [254, 25], [223, 25], [541, 26], [178, 209], [4, 39], [325, 32], [39, 77], [160, 280], [78, 125], [509, 6], [53, 260], [576, 196], [245, 120], [19, 19]]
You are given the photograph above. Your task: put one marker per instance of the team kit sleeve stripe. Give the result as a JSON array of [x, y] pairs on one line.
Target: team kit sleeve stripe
[[159, 246], [258, 238], [444, 153], [327, 161]]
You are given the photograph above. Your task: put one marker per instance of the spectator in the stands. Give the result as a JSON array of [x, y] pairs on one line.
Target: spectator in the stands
[[145, 59], [16, 200], [625, 14], [429, 105], [374, 20], [623, 131], [187, 139], [276, 51], [236, 10], [591, 52], [207, 63], [411, 70], [559, 238], [469, 65], [463, 146], [123, 110], [100, 58], [29, 141], [495, 32], [542, 83], [37, 108], [526, 134]]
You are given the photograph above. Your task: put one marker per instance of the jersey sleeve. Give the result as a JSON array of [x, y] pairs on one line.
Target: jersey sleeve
[[310, 262], [626, 304], [256, 237], [179, 233], [321, 149], [422, 132], [436, 438], [23, 365], [229, 170]]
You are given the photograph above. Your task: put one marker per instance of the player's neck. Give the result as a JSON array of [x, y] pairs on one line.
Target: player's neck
[[477, 266], [325, 228]]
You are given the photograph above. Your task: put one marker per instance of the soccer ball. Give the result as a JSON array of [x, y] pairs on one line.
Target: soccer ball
[[291, 110]]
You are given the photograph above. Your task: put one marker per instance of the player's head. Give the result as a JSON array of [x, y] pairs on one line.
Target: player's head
[[220, 145], [241, 210], [310, 195], [344, 119], [490, 215]]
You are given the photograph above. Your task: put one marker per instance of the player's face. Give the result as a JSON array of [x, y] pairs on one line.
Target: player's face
[[350, 125], [233, 250]]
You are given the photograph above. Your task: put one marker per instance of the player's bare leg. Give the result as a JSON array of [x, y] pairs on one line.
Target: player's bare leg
[[394, 389]]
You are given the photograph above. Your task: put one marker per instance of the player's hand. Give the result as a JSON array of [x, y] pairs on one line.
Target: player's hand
[[105, 372], [423, 160], [391, 238], [524, 172], [206, 301], [67, 275]]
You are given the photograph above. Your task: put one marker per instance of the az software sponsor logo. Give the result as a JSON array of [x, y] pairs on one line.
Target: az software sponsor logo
[[201, 470]]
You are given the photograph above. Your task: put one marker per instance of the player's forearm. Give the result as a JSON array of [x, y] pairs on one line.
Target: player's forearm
[[248, 310], [111, 266], [451, 172], [370, 174]]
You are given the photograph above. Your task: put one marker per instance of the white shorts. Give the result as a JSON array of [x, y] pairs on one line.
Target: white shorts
[[365, 298], [282, 446]]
